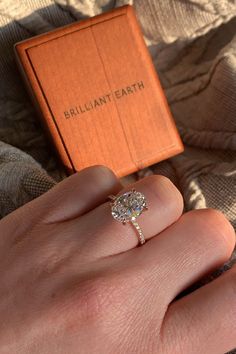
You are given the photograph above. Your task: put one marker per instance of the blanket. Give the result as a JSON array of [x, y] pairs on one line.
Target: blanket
[[193, 47]]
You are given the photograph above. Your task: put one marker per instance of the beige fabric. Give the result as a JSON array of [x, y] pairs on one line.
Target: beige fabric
[[193, 46]]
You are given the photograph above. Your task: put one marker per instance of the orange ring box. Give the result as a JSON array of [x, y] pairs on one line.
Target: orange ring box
[[98, 93]]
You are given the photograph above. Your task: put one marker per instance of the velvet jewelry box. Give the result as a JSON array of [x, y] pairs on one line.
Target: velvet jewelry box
[[95, 87]]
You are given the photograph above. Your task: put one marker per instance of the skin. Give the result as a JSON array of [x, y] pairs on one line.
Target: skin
[[73, 280]]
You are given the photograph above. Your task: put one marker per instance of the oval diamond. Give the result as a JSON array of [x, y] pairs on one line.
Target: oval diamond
[[128, 206]]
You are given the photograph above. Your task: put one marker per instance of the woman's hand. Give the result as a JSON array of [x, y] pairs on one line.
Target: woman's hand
[[73, 280]]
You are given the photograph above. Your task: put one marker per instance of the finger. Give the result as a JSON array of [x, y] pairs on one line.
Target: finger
[[82, 192], [75, 195], [203, 321], [199, 242], [108, 236]]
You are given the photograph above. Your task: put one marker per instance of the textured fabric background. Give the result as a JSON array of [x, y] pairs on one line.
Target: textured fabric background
[[193, 46]]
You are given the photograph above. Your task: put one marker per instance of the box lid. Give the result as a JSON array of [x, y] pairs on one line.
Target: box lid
[[99, 95]]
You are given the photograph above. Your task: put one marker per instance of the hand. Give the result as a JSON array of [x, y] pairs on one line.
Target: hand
[[73, 280]]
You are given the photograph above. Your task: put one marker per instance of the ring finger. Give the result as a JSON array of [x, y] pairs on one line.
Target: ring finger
[[106, 236]]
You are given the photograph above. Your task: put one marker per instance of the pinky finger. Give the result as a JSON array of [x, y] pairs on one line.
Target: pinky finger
[[203, 321]]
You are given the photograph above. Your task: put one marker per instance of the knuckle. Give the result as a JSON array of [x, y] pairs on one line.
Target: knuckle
[[96, 298], [215, 227], [100, 299], [159, 179], [100, 170], [93, 298], [167, 192], [81, 303]]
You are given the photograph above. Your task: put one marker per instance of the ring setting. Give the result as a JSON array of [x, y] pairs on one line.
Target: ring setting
[[127, 207]]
